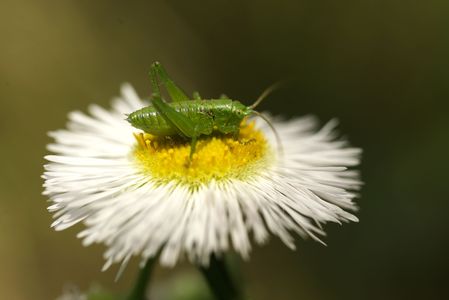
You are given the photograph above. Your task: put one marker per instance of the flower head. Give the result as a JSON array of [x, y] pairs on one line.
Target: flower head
[[139, 194]]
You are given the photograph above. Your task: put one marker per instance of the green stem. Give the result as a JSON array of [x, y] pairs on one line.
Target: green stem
[[220, 281], [140, 288]]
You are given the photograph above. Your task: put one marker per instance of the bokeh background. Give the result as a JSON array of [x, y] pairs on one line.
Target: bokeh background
[[381, 67]]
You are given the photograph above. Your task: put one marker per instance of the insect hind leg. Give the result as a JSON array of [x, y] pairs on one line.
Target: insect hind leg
[[176, 93], [179, 121]]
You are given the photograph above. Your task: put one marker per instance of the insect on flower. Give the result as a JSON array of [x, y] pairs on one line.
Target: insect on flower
[[190, 118], [148, 192]]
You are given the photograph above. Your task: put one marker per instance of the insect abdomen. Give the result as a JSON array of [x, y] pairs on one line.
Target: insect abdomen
[[150, 121], [206, 111]]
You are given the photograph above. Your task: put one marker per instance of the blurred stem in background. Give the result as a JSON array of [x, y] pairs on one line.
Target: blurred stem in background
[[217, 276], [140, 289], [219, 280]]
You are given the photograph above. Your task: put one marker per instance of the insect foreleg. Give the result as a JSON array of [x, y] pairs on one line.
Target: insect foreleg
[[192, 147], [176, 94]]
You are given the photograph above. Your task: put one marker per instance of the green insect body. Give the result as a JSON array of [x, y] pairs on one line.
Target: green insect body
[[189, 118], [222, 115]]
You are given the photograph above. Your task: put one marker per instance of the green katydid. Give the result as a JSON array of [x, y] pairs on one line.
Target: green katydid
[[190, 118]]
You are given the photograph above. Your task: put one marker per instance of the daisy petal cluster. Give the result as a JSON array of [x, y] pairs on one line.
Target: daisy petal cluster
[[136, 194]]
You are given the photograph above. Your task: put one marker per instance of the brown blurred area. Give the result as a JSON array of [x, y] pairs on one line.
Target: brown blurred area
[[381, 67]]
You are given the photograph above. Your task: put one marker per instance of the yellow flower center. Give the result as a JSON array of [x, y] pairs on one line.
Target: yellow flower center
[[217, 157]]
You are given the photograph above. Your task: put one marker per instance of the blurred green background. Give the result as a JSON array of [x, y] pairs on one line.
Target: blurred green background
[[381, 67]]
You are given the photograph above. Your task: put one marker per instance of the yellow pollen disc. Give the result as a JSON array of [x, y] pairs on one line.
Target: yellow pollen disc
[[217, 157]]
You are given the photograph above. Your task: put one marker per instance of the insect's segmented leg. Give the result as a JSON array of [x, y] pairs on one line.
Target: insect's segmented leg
[[178, 120], [176, 94], [192, 147]]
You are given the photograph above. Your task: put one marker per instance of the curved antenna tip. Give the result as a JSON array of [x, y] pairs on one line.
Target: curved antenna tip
[[276, 134]]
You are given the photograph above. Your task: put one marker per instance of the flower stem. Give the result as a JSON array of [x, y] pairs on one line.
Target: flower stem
[[220, 281], [140, 287]]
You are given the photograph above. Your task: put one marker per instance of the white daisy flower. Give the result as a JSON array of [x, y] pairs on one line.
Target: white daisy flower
[[135, 193]]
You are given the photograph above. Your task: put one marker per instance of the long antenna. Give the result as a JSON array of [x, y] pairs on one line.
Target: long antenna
[[278, 139], [266, 93]]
